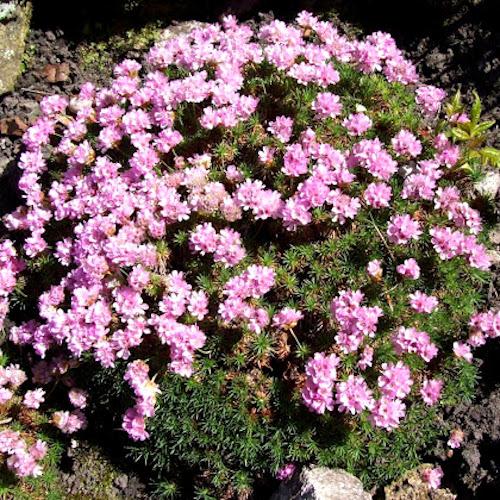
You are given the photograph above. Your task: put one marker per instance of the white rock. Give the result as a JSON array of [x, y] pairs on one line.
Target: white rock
[[489, 185], [322, 483], [182, 28]]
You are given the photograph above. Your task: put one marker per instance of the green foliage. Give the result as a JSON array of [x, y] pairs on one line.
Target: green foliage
[[472, 134]]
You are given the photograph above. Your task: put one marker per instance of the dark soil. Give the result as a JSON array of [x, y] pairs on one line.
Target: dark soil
[[455, 43]]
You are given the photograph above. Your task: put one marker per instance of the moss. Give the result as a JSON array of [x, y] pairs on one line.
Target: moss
[[99, 57]]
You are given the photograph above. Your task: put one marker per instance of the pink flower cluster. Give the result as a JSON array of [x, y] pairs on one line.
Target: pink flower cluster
[[433, 477], [431, 391], [281, 127], [449, 244], [377, 195], [409, 269], [69, 422], [353, 395], [406, 144], [422, 303], [286, 472], [355, 321], [483, 326], [455, 439], [357, 124], [145, 391], [23, 460], [430, 99], [183, 339], [421, 182], [226, 245], [327, 105], [374, 269], [402, 228], [371, 155], [287, 318], [10, 266], [254, 282], [13, 377], [321, 372], [395, 380], [387, 413], [411, 340]]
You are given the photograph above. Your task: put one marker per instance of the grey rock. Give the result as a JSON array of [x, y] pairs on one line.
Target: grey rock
[[494, 256], [322, 483], [495, 235], [12, 39], [121, 481]]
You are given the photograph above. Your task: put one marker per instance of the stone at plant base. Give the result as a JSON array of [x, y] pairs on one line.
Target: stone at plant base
[[181, 28], [495, 235], [322, 483], [12, 38], [412, 487], [489, 185]]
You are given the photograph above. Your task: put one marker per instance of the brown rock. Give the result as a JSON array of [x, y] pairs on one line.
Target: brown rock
[[54, 73], [14, 127]]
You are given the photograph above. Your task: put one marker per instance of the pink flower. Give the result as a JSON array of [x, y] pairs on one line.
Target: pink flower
[[377, 195], [78, 397], [33, 399], [463, 351], [286, 472], [412, 340], [395, 380], [406, 144], [234, 174], [366, 358], [374, 269], [409, 269], [357, 124], [488, 323], [327, 105], [281, 128], [433, 477], [455, 439], [353, 395], [295, 161], [422, 303], [343, 206], [69, 422], [5, 395], [229, 248], [429, 98], [287, 318], [198, 305], [387, 413], [402, 229], [266, 155], [134, 425], [355, 321], [321, 371], [203, 239], [370, 154], [431, 391]]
